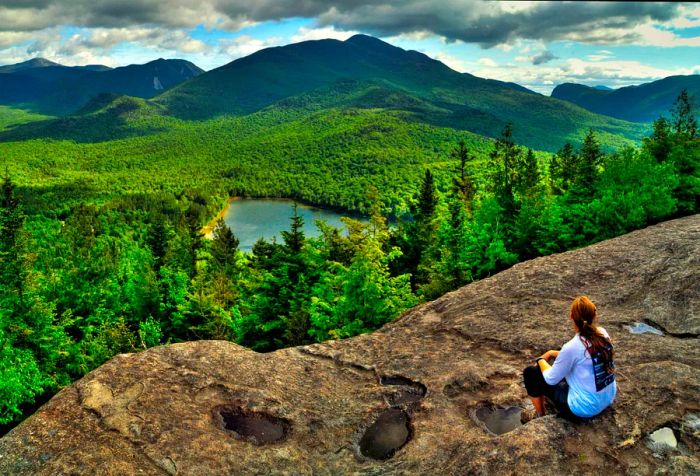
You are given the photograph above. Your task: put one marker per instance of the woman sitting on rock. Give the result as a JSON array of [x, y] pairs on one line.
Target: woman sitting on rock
[[581, 382]]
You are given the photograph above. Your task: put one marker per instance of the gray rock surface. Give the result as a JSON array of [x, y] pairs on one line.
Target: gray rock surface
[[213, 407]]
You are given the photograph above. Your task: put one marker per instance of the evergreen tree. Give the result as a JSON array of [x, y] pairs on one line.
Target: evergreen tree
[[531, 205], [503, 165], [660, 143], [683, 117], [504, 159], [562, 169], [158, 239], [528, 175], [224, 246], [427, 198], [294, 238], [463, 183], [415, 237], [685, 154], [192, 225], [589, 159]]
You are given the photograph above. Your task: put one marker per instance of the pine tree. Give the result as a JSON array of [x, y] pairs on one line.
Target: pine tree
[[504, 159], [528, 175], [683, 119], [158, 238], [427, 198], [589, 159], [503, 166], [194, 233], [463, 183], [420, 234], [294, 238], [562, 170], [660, 143], [224, 246], [685, 154]]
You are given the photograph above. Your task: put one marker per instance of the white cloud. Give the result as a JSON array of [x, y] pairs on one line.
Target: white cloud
[[689, 17], [98, 45], [488, 62], [306, 33], [613, 73], [245, 45], [450, 60], [651, 35]]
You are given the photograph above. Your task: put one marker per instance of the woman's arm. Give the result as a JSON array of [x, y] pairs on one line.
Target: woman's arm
[[544, 359], [553, 374]]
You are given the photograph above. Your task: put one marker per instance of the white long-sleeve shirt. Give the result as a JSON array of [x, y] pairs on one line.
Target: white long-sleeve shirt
[[591, 388]]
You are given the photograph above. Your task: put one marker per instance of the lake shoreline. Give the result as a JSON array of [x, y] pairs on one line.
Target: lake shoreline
[[208, 229]]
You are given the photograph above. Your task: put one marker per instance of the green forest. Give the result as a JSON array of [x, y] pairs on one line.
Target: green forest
[[101, 250]]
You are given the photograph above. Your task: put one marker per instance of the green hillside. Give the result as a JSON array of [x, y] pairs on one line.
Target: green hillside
[[643, 103], [11, 117]]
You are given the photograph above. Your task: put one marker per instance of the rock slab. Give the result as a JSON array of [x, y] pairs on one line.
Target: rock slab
[[404, 399]]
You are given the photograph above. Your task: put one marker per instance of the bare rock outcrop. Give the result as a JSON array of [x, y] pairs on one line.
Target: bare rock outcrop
[[437, 391]]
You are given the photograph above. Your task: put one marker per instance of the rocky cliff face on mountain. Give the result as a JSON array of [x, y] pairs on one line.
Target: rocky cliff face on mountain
[[438, 391]]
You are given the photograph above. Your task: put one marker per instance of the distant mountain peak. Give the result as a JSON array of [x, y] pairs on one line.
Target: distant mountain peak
[[29, 64], [362, 37], [38, 63], [639, 103], [370, 41]]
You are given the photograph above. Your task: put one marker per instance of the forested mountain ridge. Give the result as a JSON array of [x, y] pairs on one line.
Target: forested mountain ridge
[[50, 88], [466, 102], [314, 77], [642, 103]]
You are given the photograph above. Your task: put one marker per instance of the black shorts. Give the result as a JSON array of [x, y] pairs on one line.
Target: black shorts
[[537, 387]]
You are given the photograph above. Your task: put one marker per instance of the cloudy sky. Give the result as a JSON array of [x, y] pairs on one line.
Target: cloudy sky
[[536, 44]]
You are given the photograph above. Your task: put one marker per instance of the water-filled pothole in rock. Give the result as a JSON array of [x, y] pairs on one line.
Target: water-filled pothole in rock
[[389, 432], [257, 427], [410, 391], [499, 420], [663, 438], [644, 328]]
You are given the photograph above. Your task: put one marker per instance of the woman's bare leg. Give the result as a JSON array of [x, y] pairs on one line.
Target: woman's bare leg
[[538, 403]]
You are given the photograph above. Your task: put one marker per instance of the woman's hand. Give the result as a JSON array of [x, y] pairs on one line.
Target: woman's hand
[[549, 354]]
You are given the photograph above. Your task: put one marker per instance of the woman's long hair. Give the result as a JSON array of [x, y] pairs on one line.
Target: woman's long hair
[[584, 314]]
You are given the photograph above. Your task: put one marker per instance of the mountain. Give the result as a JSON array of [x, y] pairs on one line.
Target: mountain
[[437, 391], [305, 78], [458, 100], [602, 87], [51, 88], [29, 64], [643, 103]]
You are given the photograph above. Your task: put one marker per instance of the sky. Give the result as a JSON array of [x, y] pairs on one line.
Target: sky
[[536, 44]]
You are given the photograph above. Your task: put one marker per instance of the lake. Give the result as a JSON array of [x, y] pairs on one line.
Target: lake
[[251, 219]]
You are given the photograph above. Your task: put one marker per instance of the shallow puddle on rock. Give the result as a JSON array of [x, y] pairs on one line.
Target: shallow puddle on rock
[[500, 420], [388, 433], [259, 428], [663, 437], [643, 328]]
